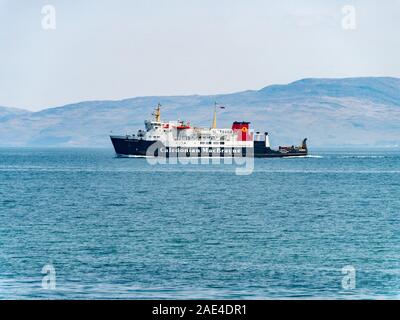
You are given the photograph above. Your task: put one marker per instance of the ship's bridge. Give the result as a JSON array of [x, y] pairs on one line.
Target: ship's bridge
[[152, 125]]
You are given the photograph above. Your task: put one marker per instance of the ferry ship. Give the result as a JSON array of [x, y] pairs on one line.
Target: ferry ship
[[181, 139]]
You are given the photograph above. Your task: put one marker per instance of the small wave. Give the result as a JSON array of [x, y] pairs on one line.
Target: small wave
[[307, 156], [313, 156], [362, 157], [330, 171]]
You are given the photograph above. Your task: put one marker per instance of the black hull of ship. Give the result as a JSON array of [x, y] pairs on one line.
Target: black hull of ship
[[130, 147], [125, 146]]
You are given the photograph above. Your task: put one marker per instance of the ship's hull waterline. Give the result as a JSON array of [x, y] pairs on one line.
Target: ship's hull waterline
[[128, 147]]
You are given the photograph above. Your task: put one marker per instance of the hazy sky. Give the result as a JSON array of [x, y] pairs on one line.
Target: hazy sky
[[108, 49]]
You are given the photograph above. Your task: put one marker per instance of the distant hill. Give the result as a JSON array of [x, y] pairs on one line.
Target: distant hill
[[7, 112], [330, 112]]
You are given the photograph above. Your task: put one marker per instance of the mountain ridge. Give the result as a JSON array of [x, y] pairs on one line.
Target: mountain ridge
[[329, 111]]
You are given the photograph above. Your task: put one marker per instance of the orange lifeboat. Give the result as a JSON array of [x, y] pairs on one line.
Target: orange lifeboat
[[183, 127]]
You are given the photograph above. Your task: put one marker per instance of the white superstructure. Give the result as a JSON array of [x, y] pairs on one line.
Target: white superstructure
[[182, 134]]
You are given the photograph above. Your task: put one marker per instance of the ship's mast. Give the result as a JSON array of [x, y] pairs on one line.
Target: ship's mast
[[157, 113], [214, 124]]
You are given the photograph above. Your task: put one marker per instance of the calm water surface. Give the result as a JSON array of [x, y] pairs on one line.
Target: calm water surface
[[122, 228]]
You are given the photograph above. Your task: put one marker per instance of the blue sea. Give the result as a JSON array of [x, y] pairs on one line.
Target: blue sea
[[113, 228]]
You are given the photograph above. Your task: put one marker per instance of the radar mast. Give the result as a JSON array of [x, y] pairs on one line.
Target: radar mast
[[157, 113]]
